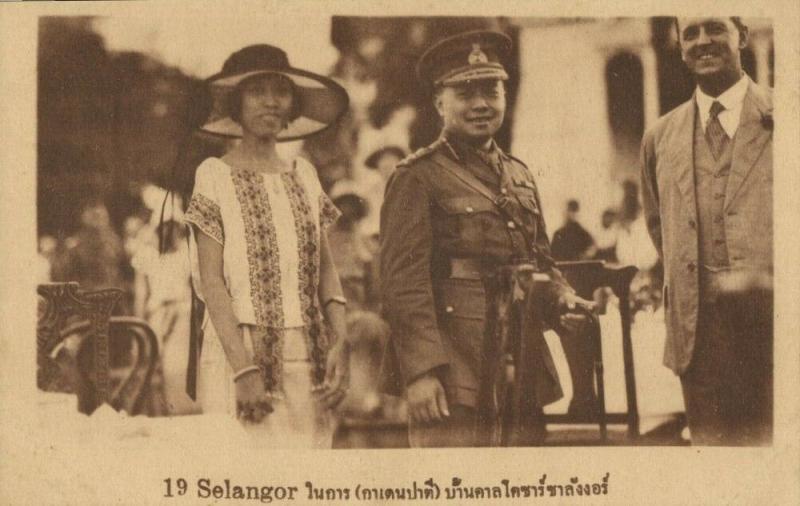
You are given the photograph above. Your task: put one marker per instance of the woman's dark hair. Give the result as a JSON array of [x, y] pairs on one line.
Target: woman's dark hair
[[169, 232], [234, 100]]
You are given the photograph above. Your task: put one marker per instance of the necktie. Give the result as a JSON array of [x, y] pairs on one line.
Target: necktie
[[716, 136]]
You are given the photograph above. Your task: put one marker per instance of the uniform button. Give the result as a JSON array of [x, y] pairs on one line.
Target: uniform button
[[503, 191], [449, 309], [511, 225], [717, 219], [731, 213], [470, 209], [692, 223], [691, 267]]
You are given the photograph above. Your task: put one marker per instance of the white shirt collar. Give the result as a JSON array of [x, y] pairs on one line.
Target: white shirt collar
[[732, 99]]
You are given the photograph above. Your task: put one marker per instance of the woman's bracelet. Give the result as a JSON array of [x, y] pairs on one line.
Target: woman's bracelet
[[337, 299], [244, 371]]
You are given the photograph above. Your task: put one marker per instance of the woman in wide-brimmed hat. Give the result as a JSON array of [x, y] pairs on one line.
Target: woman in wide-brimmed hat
[[274, 354]]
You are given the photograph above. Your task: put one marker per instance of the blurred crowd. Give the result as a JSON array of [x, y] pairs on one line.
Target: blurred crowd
[[622, 239]]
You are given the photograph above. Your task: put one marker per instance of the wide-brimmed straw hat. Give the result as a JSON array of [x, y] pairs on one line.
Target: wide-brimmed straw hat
[[322, 101]]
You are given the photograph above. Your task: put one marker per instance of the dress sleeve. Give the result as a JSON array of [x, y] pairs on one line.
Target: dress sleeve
[[204, 211]]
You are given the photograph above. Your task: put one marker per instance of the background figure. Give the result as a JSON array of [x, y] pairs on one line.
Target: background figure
[[350, 249], [381, 162], [45, 258], [606, 237], [571, 241], [162, 284], [94, 255], [634, 247]]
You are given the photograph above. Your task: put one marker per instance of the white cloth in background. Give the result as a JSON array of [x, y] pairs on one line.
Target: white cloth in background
[[634, 246]]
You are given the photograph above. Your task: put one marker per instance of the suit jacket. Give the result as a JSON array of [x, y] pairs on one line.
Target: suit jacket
[[670, 207], [429, 217]]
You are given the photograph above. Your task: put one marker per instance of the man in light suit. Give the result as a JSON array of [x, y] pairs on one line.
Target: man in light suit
[[707, 192]]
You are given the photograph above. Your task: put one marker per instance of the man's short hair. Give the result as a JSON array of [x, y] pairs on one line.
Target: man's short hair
[[737, 21]]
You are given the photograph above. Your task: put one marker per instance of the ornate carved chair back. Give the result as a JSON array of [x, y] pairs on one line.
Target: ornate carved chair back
[[62, 306]]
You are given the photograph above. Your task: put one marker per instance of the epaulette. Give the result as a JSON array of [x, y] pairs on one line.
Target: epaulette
[[517, 160], [420, 153]]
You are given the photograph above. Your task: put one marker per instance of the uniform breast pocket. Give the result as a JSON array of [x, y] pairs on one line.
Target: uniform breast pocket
[[526, 193], [461, 305], [469, 216]]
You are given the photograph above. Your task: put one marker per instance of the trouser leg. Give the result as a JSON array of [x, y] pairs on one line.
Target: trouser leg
[[728, 386]]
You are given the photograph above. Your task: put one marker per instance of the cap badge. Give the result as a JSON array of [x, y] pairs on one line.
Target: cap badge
[[477, 56]]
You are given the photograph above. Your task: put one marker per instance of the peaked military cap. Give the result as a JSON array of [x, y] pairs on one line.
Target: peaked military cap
[[468, 56]]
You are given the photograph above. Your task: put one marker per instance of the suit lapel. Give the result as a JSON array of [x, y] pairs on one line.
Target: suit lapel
[[749, 142], [681, 144]]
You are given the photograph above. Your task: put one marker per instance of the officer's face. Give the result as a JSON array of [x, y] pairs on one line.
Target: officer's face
[[711, 47], [472, 111]]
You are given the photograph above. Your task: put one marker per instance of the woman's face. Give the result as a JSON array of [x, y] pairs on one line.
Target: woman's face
[[266, 105]]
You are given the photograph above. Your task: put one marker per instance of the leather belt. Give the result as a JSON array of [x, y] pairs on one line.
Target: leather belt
[[466, 268], [474, 268]]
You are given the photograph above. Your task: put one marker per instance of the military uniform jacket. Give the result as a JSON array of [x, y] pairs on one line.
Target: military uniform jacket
[[430, 216]]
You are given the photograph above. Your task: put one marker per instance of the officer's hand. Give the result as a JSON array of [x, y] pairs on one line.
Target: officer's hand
[[571, 319], [426, 400]]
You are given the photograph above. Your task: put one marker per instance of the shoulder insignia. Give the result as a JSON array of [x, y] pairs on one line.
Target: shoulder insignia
[[420, 153], [517, 160]]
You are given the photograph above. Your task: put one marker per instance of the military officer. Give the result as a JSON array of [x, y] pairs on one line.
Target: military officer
[[454, 212]]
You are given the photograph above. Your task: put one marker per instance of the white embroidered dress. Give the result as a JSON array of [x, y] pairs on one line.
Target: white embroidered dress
[[269, 226]]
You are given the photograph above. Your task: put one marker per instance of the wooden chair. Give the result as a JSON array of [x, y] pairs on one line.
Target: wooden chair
[[586, 277], [81, 320]]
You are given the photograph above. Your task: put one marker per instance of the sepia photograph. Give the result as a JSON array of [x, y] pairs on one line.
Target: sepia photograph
[[534, 247]]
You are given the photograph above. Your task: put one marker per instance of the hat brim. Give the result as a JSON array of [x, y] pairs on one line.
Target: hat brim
[[322, 103]]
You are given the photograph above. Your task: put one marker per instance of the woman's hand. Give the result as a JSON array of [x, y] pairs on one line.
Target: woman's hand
[[252, 401], [337, 376]]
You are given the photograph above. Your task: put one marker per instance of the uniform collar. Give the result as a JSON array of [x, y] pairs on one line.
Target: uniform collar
[[460, 150]]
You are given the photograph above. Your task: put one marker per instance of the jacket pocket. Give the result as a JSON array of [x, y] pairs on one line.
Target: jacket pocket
[[525, 192], [469, 217], [461, 306]]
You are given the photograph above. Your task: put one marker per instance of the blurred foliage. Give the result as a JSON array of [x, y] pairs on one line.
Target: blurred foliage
[[108, 123]]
